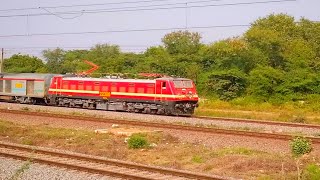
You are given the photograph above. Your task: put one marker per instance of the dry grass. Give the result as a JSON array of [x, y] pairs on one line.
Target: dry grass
[[168, 152], [263, 111]]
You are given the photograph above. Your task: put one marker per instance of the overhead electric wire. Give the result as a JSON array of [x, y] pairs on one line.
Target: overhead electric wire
[[93, 11], [124, 30], [85, 5], [88, 5]]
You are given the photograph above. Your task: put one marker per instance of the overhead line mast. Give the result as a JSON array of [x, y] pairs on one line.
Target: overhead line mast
[[1, 62]]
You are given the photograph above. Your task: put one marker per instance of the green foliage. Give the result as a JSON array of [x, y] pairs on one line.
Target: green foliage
[[276, 60], [23, 64], [54, 59], [137, 141], [182, 42], [311, 172], [300, 146], [227, 84]]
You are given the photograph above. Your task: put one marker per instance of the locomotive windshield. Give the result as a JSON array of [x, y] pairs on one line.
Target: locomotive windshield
[[183, 84]]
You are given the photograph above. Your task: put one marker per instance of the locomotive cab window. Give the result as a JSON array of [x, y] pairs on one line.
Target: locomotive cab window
[[183, 84]]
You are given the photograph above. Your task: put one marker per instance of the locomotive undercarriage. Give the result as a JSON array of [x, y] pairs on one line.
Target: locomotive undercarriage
[[135, 106], [183, 108]]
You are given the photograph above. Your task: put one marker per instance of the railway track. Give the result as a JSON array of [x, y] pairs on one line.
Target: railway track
[[192, 128], [287, 124], [97, 165]]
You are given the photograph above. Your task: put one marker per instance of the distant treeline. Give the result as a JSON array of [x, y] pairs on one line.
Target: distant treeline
[[278, 58]]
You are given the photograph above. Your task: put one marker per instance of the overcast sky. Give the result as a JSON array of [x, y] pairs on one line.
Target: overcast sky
[[155, 23]]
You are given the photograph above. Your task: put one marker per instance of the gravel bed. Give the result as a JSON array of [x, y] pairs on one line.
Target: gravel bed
[[169, 119], [215, 141], [10, 168]]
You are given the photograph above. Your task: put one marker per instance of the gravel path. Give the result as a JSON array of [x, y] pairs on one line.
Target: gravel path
[[153, 118], [11, 167]]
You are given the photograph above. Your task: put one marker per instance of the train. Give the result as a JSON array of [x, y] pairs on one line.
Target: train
[[162, 95]]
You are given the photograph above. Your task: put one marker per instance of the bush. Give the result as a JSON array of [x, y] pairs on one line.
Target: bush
[[137, 141], [312, 172], [300, 146]]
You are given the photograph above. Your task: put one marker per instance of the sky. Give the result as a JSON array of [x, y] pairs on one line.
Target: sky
[[134, 25]]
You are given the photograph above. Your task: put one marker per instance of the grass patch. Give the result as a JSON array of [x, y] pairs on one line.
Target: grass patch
[[197, 159], [235, 151], [250, 109], [137, 141]]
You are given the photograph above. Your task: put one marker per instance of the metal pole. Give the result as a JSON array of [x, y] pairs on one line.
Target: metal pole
[[1, 62]]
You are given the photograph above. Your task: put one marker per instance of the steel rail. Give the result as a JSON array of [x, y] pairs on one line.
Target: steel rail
[[212, 130], [98, 160]]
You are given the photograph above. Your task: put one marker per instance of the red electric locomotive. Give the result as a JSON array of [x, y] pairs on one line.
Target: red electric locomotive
[[166, 95], [170, 96]]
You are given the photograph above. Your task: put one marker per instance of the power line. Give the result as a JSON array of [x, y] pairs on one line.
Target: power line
[[124, 30], [84, 5], [112, 10]]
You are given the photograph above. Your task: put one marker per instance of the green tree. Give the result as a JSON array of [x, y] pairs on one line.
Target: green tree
[[73, 61], [227, 84], [182, 42], [55, 60], [23, 64], [265, 82]]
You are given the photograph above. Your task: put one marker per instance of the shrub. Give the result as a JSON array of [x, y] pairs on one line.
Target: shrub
[[300, 146], [137, 141], [312, 172]]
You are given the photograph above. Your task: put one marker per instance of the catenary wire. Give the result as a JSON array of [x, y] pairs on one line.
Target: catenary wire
[[97, 4], [94, 11], [124, 30]]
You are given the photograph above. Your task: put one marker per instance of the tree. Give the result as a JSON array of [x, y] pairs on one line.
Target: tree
[[227, 84], [73, 61], [55, 60], [264, 82], [23, 64], [182, 42]]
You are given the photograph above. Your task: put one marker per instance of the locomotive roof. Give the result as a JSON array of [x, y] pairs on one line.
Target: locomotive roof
[[26, 75], [109, 80], [123, 80], [173, 78]]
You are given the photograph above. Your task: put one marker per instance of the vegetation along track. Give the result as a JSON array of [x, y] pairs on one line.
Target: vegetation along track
[[193, 128], [287, 124], [97, 165]]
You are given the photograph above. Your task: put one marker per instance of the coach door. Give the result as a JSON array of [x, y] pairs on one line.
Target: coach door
[[30, 87]]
